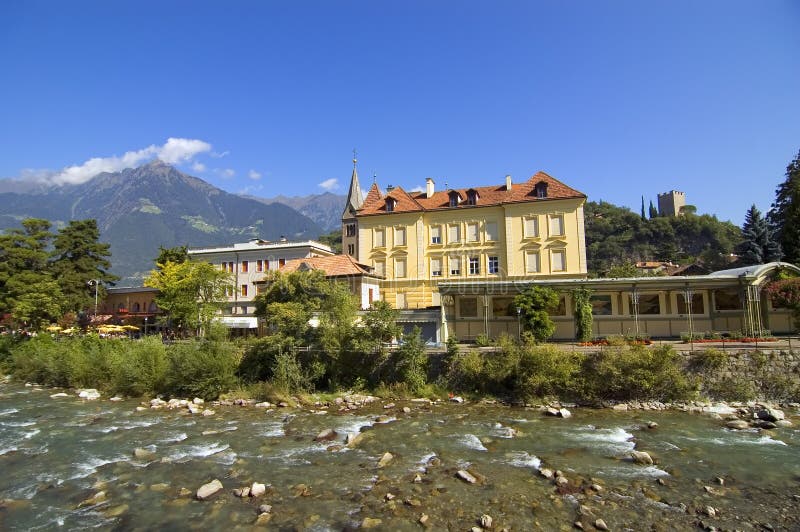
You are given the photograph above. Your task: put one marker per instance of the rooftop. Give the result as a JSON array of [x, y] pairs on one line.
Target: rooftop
[[258, 244]]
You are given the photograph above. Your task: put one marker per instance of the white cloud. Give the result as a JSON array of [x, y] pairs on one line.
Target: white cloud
[[198, 167], [251, 189], [417, 189], [175, 150], [329, 184], [220, 155], [225, 173], [255, 176]]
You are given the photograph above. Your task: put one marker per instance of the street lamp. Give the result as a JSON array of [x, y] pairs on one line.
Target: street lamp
[[145, 325], [519, 323], [94, 282]]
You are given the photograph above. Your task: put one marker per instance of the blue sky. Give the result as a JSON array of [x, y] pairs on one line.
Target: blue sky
[[617, 99]]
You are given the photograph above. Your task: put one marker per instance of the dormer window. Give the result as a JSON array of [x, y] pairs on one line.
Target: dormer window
[[454, 198], [391, 203], [540, 189], [472, 197]]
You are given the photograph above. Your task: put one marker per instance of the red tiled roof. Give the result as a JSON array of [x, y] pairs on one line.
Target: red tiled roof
[[375, 202], [333, 266]]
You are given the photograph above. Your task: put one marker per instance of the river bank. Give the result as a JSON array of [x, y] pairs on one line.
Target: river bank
[[72, 463]]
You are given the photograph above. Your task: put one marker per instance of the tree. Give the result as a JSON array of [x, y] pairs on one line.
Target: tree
[[786, 293], [623, 270], [79, 258], [174, 254], [643, 215], [190, 293], [534, 303], [784, 216], [653, 211], [759, 245], [28, 290], [582, 300]]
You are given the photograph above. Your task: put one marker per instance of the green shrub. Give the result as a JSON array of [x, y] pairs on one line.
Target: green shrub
[[412, 361], [545, 370], [465, 372], [287, 374], [636, 372], [708, 360], [258, 361], [735, 388], [200, 369], [139, 368], [483, 340], [616, 340]]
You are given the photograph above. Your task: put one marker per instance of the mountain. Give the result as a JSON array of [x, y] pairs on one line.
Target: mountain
[[139, 209], [325, 209]]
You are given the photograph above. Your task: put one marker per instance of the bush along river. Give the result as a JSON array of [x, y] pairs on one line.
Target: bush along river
[[72, 463]]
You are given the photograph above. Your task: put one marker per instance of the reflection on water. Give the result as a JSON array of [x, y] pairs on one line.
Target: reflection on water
[[57, 454]]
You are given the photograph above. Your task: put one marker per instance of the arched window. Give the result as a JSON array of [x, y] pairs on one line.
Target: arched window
[[153, 307], [136, 307], [540, 189], [472, 197], [454, 198], [391, 203]]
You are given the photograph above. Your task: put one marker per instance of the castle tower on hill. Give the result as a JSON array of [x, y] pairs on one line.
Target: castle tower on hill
[[671, 203], [355, 200]]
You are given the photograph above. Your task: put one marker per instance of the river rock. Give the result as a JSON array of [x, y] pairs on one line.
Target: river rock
[[642, 457], [485, 521], [546, 473], [466, 476], [622, 407], [242, 492], [57, 395], [600, 525], [198, 401], [385, 459], [457, 399], [90, 394], [770, 414], [354, 439], [116, 511], [208, 412], [371, 522], [143, 454], [265, 508], [563, 412], [737, 424], [257, 489], [764, 424], [265, 404], [423, 519], [263, 518], [207, 490], [97, 498], [561, 480], [652, 425], [326, 435], [783, 423]]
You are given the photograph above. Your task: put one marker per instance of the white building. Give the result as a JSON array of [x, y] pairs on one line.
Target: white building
[[249, 263]]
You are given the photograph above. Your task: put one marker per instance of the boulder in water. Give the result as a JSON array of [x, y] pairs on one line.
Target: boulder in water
[[642, 457], [485, 521], [371, 522], [207, 490], [770, 414], [600, 525], [90, 394], [466, 476], [257, 489], [326, 435], [143, 454], [737, 424], [385, 459]]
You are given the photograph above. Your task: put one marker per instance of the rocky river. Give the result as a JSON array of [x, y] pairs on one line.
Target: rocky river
[[72, 463]]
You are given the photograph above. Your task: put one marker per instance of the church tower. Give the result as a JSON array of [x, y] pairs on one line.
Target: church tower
[[349, 222]]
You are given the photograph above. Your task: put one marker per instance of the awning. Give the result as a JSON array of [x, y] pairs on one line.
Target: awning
[[239, 322]]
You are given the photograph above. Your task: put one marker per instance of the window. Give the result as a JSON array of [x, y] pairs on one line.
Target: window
[[468, 307], [229, 291], [455, 266], [266, 264], [351, 230], [491, 231], [351, 249], [436, 267], [601, 305], [472, 197], [224, 266], [540, 189], [281, 262], [136, 307], [531, 227], [474, 266], [556, 225], [558, 260], [727, 299], [230, 267], [503, 307], [401, 300], [379, 240], [371, 295], [245, 266], [400, 268], [399, 236], [472, 232], [561, 309], [648, 303], [390, 204], [532, 262], [698, 306], [244, 290], [494, 265], [453, 233], [436, 234], [259, 265], [380, 267], [454, 198]]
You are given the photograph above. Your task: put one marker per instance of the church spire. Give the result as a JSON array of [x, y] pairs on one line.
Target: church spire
[[354, 197]]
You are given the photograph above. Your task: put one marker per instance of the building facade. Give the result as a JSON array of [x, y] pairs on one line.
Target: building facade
[[501, 233], [249, 263], [671, 203]]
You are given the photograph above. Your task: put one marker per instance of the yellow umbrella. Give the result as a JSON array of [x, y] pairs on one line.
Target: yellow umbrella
[[53, 328], [130, 327], [71, 330]]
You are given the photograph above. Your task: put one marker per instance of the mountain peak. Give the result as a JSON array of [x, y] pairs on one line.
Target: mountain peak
[[156, 163]]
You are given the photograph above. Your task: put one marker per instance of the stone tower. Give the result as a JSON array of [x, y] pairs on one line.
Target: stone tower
[[670, 203], [349, 222]]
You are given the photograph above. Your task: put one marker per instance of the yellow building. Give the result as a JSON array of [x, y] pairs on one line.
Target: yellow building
[[505, 232]]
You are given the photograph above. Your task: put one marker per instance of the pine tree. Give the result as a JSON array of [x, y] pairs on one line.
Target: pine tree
[[784, 216], [653, 210], [644, 217], [758, 245]]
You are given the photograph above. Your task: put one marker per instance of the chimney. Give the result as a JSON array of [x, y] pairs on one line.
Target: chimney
[[429, 187], [508, 182], [389, 188]]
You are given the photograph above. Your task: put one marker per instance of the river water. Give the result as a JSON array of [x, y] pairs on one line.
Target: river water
[[58, 453]]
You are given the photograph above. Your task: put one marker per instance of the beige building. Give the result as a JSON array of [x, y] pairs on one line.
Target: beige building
[[249, 263], [671, 203], [499, 233]]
